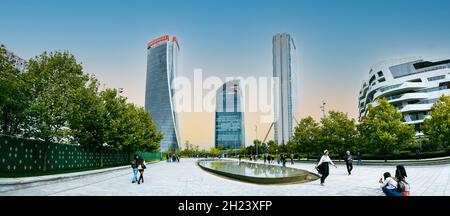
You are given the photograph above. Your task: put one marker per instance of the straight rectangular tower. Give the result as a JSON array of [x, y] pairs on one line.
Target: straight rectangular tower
[[284, 90], [161, 71], [229, 127]]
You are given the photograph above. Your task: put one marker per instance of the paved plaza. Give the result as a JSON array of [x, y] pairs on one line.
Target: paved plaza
[[187, 179]]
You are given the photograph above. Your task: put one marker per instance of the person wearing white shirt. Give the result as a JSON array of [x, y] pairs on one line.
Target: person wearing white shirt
[[323, 166], [141, 166], [389, 185]]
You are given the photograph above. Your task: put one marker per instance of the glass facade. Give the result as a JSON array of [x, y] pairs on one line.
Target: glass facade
[[229, 128], [284, 69], [161, 70]]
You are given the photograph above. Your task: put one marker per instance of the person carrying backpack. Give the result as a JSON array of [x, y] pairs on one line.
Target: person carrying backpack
[[400, 175], [141, 167]]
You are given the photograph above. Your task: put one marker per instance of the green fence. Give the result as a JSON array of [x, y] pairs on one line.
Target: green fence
[[151, 155], [24, 155]]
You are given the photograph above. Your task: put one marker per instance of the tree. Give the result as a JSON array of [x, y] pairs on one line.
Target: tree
[[383, 131], [215, 151], [87, 120], [257, 145], [338, 132], [437, 128], [14, 97], [306, 136], [242, 150], [272, 147], [54, 80]]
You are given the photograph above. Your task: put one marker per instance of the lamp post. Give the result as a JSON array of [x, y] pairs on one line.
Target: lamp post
[[256, 143]]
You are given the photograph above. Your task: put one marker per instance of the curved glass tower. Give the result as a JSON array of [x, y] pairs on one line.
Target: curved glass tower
[[161, 70], [229, 129]]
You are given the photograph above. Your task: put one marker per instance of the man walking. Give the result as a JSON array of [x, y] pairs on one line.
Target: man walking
[[349, 162], [359, 159]]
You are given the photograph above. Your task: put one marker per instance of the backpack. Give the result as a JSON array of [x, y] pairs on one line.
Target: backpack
[[400, 187]]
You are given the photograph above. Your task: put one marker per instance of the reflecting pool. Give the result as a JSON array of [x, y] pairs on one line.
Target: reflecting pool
[[257, 173]]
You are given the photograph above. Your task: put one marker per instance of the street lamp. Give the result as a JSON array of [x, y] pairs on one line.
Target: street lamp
[[256, 143]]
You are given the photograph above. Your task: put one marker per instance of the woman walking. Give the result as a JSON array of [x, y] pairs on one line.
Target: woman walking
[[323, 166], [141, 167]]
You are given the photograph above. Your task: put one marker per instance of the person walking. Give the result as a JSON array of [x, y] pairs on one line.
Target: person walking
[[323, 166], [292, 159], [283, 160], [141, 167], [134, 167], [389, 185], [239, 156], [348, 158], [359, 156]]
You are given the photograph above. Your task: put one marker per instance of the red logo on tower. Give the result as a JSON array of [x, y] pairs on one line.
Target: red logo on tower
[[158, 40]]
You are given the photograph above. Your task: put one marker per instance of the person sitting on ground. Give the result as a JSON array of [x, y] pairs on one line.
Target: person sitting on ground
[[389, 185]]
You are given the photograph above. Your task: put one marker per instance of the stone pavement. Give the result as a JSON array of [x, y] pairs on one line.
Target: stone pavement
[[187, 179]]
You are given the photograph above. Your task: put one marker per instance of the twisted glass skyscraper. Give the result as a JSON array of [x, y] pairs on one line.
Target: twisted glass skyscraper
[[161, 70]]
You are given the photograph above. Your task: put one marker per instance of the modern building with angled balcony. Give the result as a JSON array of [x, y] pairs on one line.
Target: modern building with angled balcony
[[162, 54], [412, 85], [284, 70], [229, 128]]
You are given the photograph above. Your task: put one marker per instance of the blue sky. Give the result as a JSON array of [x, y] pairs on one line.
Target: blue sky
[[337, 40]]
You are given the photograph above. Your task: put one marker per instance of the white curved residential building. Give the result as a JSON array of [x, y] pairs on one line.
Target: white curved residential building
[[412, 85]]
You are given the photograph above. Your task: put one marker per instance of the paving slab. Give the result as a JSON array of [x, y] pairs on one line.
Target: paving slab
[[187, 179]]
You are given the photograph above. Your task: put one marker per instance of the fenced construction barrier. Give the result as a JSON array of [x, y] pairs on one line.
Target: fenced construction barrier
[[26, 155]]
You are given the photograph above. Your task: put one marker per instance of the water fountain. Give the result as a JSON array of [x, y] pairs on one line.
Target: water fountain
[[256, 172]]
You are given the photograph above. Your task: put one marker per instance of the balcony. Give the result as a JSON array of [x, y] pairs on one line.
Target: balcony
[[415, 108], [399, 88], [407, 97]]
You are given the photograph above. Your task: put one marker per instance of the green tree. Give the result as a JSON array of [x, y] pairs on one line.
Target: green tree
[[87, 120], [214, 151], [14, 97], [437, 128], [272, 146], [338, 133], [306, 136], [242, 150], [55, 80], [383, 131]]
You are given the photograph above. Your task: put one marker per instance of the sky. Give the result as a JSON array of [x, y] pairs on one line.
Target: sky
[[337, 42]]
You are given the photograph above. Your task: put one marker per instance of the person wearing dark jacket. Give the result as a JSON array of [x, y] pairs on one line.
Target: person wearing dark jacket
[[348, 158]]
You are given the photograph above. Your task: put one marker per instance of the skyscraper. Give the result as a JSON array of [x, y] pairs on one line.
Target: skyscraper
[[161, 70], [284, 90], [229, 129]]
